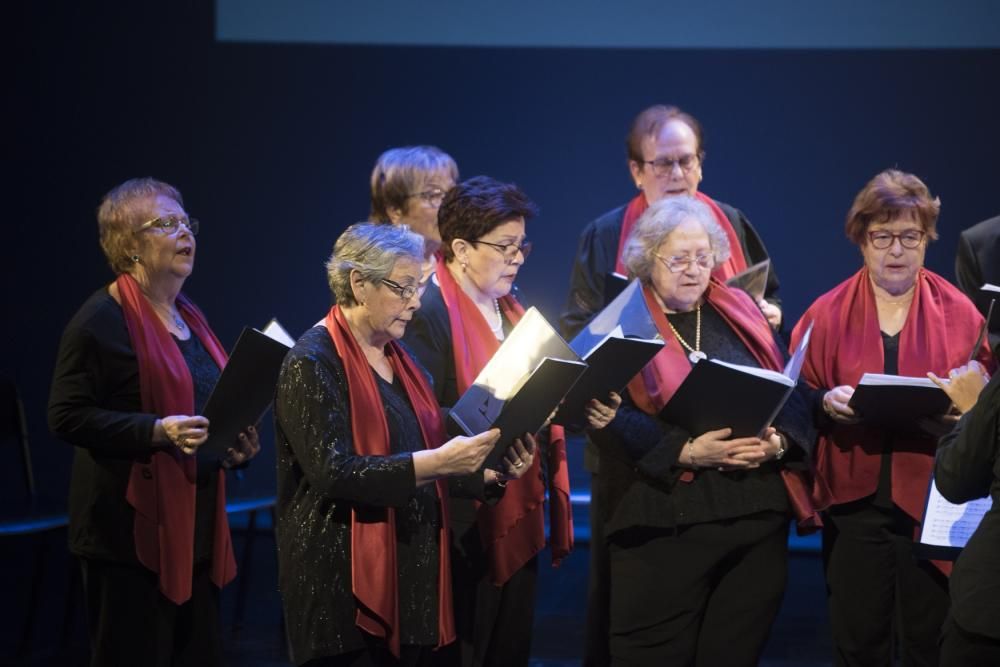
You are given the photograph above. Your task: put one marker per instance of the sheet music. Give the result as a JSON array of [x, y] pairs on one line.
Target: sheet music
[[949, 525]]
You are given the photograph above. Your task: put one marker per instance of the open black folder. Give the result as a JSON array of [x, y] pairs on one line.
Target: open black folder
[[246, 387], [519, 387], [897, 401], [753, 280], [717, 394], [616, 344]]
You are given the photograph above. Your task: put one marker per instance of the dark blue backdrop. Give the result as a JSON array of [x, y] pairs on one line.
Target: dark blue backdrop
[[272, 146]]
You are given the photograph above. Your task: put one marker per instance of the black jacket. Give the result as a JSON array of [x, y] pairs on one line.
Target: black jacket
[[968, 467], [978, 262]]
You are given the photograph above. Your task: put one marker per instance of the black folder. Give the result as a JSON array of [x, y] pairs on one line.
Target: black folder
[[614, 284], [753, 280], [244, 390], [616, 344], [716, 395], [897, 401], [519, 387]]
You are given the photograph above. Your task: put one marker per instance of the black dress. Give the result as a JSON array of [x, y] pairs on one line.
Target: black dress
[[95, 405], [494, 623], [697, 568], [320, 481]]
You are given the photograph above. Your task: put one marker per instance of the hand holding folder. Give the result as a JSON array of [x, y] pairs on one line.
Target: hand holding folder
[[519, 387], [246, 387]]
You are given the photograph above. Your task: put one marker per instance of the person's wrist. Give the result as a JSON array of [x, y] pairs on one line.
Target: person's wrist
[[782, 447], [692, 461]]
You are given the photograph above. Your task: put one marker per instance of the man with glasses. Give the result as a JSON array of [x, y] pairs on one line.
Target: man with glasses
[[665, 158]]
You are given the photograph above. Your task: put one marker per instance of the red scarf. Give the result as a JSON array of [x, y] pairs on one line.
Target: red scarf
[[736, 263], [661, 377], [162, 491], [513, 530], [373, 543], [846, 342]]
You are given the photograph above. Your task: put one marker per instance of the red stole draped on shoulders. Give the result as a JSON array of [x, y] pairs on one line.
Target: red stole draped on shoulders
[[374, 571], [732, 266], [940, 330], [513, 530], [162, 491], [661, 377]]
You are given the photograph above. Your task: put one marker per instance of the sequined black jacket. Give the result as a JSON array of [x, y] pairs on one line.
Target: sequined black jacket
[[320, 480]]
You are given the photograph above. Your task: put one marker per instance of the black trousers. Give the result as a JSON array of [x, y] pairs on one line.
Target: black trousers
[[879, 594], [494, 623], [132, 623], [966, 649], [377, 654], [702, 595], [595, 649]]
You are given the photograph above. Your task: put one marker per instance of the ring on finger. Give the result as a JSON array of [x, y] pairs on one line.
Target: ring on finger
[[519, 464]]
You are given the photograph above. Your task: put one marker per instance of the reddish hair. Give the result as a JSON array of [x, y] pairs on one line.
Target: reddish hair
[[889, 195]]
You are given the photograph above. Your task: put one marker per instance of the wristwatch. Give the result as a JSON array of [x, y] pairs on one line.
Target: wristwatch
[[782, 447]]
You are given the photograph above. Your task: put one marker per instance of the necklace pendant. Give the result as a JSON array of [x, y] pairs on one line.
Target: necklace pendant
[[696, 356]]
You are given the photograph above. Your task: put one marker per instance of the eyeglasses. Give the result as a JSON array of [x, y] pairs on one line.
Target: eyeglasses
[[510, 250], [170, 225], [910, 239], [679, 264], [404, 292], [664, 165], [434, 196]]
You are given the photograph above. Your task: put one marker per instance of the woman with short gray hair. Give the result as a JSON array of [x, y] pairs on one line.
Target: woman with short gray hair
[[708, 509], [363, 469]]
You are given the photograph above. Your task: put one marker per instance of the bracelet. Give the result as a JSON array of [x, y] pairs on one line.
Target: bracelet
[[782, 447], [502, 484], [690, 446]]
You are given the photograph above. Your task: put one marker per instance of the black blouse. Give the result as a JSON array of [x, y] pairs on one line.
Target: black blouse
[[204, 374], [95, 405], [644, 455]]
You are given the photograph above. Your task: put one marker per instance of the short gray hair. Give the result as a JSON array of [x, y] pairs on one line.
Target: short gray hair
[[658, 222], [372, 249]]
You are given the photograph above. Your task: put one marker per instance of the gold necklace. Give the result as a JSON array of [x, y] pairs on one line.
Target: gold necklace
[[694, 353]]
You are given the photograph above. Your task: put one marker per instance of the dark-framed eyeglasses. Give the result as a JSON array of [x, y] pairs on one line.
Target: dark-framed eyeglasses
[[170, 224], [679, 264], [909, 239], [434, 196], [510, 250], [404, 292], [663, 166]]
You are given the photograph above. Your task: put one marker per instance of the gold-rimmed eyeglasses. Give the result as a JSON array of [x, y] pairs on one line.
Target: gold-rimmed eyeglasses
[[662, 166], [434, 196], [679, 264], [170, 224]]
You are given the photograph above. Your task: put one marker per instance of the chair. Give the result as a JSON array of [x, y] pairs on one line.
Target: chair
[[28, 519], [252, 506]]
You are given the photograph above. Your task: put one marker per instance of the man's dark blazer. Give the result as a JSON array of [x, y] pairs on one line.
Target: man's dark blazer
[[978, 262]]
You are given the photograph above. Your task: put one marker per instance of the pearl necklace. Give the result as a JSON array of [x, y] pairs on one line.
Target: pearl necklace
[[498, 329], [694, 353]]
